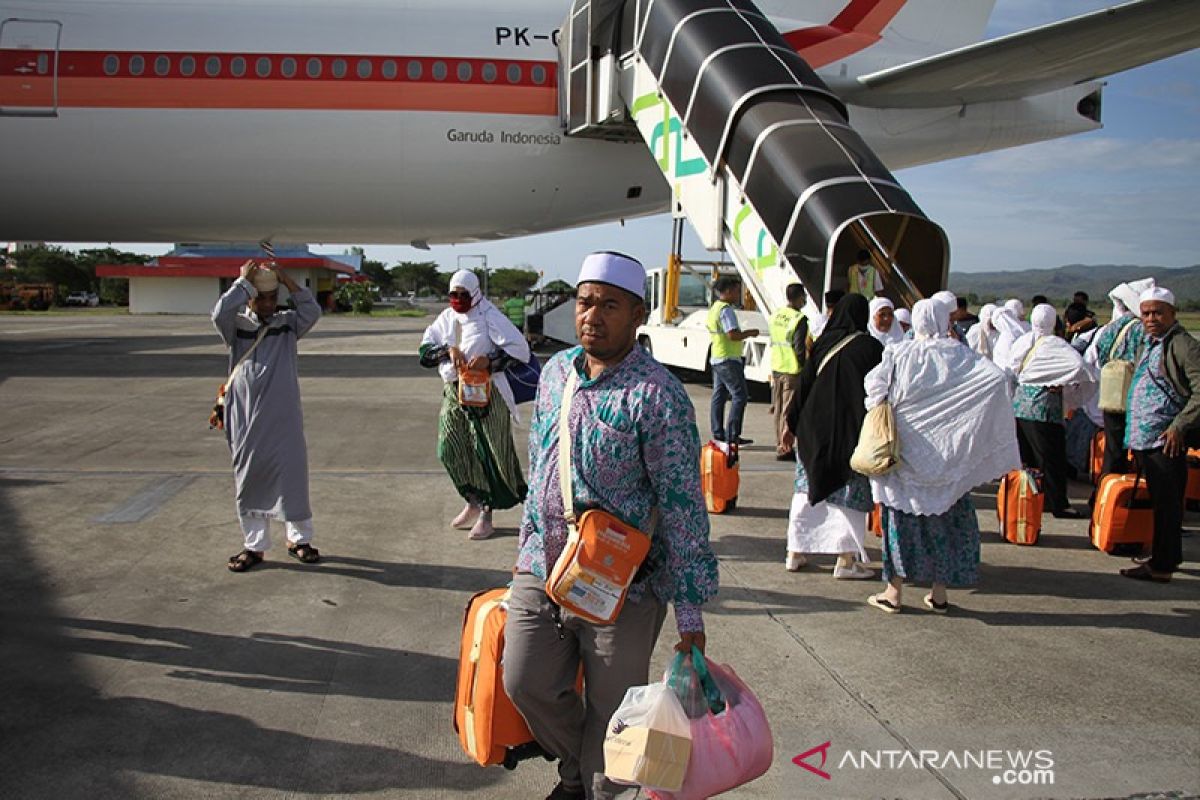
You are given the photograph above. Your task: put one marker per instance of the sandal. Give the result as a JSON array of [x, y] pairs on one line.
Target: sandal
[[1144, 573], [304, 553], [244, 560], [937, 608], [883, 604]]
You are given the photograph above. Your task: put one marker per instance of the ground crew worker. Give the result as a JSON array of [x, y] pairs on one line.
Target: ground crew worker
[[728, 369], [862, 278], [789, 334], [514, 309]]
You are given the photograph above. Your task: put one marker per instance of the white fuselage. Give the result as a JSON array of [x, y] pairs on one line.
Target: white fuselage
[[368, 121]]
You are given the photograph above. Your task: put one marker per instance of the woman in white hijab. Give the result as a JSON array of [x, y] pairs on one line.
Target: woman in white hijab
[[475, 444], [1052, 379], [1017, 309], [1008, 329], [904, 317], [882, 322], [982, 336], [954, 420]]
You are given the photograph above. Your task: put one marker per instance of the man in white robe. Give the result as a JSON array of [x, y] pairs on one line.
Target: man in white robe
[[263, 421]]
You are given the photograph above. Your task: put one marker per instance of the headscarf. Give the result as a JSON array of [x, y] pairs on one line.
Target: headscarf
[[480, 330], [1017, 308], [904, 317], [1125, 296], [946, 298], [953, 414], [1009, 329], [892, 334], [1053, 363], [826, 412], [982, 336]]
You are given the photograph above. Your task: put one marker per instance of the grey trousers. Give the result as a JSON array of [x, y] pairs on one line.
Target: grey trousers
[[541, 662]]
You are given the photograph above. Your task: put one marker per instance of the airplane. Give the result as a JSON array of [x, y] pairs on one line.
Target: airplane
[[441, 121]]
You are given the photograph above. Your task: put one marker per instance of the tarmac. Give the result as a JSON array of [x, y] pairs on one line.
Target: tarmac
[[133, 664]]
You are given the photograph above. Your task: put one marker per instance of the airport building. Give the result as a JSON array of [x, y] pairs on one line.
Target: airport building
[[190, 278]]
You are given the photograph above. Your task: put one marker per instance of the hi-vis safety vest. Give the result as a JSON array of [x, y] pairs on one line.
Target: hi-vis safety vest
[[783, 328], [722, 345], [862, 283]]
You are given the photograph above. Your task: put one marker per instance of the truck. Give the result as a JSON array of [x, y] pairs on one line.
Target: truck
[[21, 296]]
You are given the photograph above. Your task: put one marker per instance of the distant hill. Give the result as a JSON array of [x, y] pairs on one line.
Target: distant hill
[[1060, 283]]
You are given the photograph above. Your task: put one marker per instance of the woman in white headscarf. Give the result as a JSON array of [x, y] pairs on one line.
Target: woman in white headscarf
[[1017, 309], [1052, 379], [982, 336], [882, 323], [904, 318], [475, 444], [1121, 339], [954, 419], [1008, 329]]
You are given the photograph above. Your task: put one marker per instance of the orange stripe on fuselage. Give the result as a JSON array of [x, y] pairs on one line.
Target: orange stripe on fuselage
[[312, 95]]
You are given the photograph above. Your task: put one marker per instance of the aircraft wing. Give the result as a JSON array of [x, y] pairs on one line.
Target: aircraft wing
[[1038, 60]]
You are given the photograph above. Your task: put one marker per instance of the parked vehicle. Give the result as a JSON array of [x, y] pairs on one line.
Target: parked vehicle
[[82, 299], [32, 296]]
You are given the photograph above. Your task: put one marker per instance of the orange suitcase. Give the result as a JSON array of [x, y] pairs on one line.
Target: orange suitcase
[[1019, 505], [719, 476], [1096, 457], [1122, 519], [487, 722]]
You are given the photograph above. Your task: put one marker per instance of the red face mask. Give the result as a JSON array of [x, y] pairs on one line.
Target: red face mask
[[460, 304]]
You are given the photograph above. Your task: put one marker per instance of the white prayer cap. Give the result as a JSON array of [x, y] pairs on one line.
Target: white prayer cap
[[1158, 294], [904, 315], [614, 269], [1042, 319], [265, 280]]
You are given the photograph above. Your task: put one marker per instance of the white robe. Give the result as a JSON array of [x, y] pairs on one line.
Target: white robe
[[264, 424]]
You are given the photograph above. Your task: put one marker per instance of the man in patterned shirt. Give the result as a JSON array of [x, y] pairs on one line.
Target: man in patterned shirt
[[635, 453], [1164, 413]]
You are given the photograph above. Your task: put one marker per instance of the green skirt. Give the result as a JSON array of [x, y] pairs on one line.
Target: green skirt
[[476, 448]]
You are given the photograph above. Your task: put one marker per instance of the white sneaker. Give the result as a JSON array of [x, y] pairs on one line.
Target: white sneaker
[[854, 572], [794, 562], [465, 517], [483, 527]]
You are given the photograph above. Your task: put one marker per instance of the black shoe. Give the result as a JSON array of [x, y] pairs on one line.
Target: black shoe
[[561, 792], [1067, 513], [741, 441]]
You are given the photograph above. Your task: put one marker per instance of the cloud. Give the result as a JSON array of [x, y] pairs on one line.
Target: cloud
[[1091, 154]]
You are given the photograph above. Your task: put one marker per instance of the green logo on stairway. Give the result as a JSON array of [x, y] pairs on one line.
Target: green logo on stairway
[[663, 134]]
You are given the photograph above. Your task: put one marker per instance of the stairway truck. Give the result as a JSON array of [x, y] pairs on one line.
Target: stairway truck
[[759, 153]]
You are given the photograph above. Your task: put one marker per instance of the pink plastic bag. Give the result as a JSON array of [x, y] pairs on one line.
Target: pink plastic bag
[[729, 748]]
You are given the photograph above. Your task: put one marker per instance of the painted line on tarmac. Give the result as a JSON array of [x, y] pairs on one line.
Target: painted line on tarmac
[[853, 693], [45, 328], [146, 502]]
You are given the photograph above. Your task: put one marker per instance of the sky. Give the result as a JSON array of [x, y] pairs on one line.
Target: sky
[[1123, 195]]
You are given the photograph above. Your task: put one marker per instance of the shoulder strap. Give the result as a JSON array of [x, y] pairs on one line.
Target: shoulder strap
[[564, 449], [262, 333], [836, 349], [1120, 337], [1029, 355]]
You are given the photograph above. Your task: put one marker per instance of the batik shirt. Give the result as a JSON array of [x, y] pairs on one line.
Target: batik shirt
[[1130, 344], [1038, 404], [634, 447], [1153, 402]]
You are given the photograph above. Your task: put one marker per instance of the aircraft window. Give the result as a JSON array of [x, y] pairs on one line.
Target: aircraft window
[[389, 70], [488, 72], [414, 70], [439, 70], [43, 63], [187, 66], [538, 73], [339, 68], [288, 67], [162, 66], [212, 66], [364, 68], [237, 66], [464, 71], [513, 73], [137, 65], [262, 67], [111, 65], [313, 69]]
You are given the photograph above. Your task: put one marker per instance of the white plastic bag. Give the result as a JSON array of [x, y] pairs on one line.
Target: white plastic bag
[[649, 740]]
